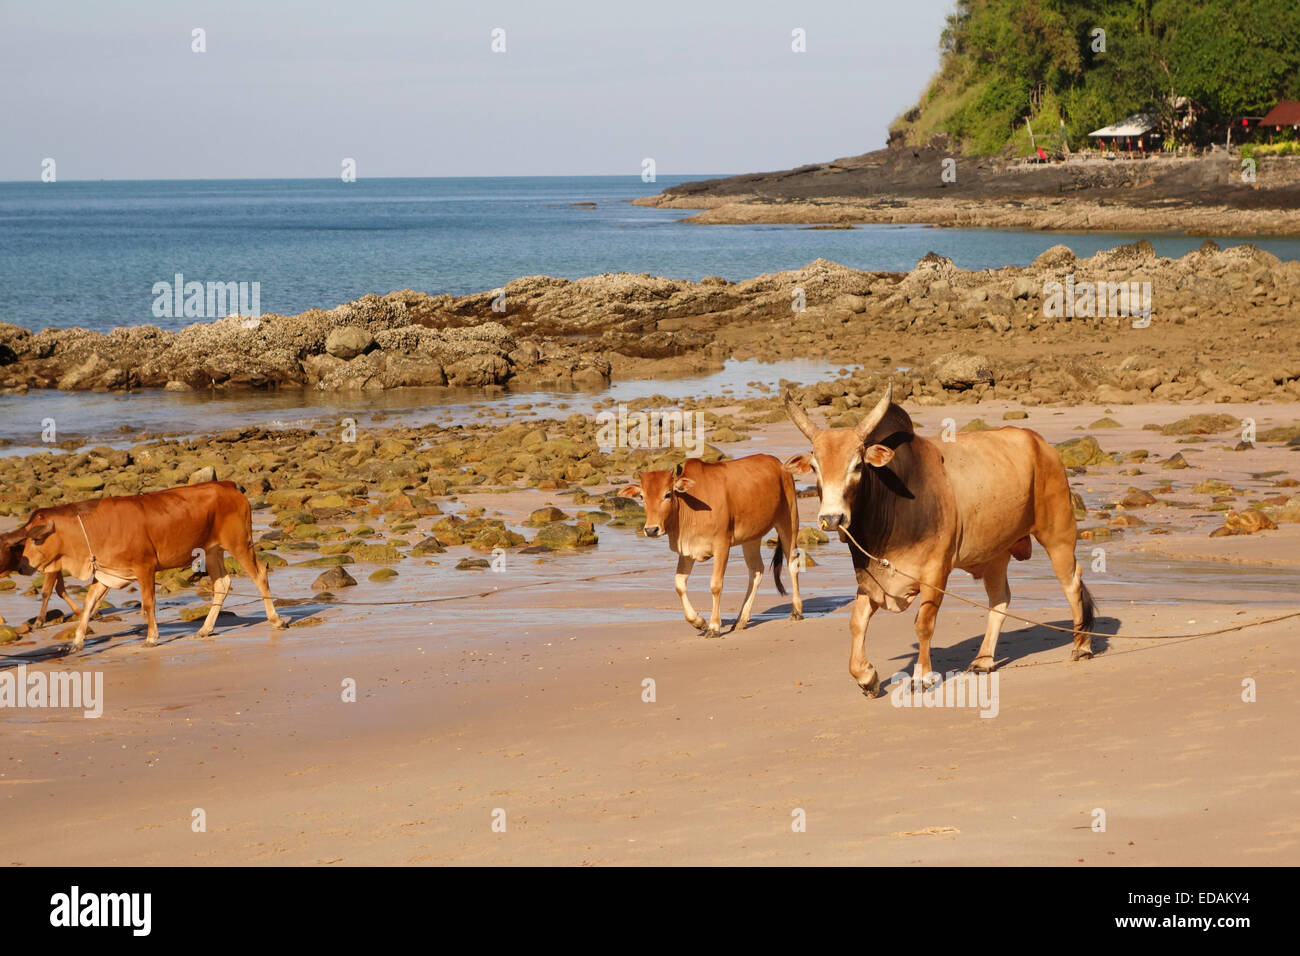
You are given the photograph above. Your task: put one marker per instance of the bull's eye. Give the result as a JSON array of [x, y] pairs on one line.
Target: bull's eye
[[668, 495]]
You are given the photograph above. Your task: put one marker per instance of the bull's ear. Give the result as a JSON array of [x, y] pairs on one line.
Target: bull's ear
[[683, 485], [879, 455], [799, 464], [631, 491], [40, 532]]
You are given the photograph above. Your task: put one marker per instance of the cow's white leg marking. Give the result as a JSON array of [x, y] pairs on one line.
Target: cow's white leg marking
[[680, 579], [923, 673], [999, 593], [93, 596], [146, 580], [1070, 575], [753, 551], [220, 588], [861, 669], [721, 551], [256, 570]]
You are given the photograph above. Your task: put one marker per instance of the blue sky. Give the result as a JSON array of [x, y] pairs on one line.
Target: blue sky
[[112, 90]]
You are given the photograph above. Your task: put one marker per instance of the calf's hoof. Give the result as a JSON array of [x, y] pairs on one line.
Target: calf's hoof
[[280, 624], [713, 631], [982, 665], [151, 640], [1081, 654], [796, 616]]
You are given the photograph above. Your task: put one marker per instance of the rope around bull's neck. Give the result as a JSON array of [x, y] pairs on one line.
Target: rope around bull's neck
[[885, 563]]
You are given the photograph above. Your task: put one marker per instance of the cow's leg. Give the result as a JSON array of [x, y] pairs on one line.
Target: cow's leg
[[680, 579], [861, 669], [931, 598], [47, 588], [93, 596], [753, 551], [787, 533], [61, 589], [255, 569], [216, 564], [721, 551], [999, 592], [1070, 575], [145, 577]]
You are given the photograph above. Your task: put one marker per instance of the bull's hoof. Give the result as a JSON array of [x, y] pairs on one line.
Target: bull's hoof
[[712, 631], [699, 624], [1081, 654], [796, 616], [924, 681], [871, 688], [151, 641], [198, 633], [280, 624], [982, 665]]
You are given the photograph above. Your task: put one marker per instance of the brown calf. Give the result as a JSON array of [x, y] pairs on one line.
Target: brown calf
[[704, 509]]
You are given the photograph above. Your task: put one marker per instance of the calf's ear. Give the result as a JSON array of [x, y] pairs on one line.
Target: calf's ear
[[631, 491], [683, 485], [879, 455], [799, 464]]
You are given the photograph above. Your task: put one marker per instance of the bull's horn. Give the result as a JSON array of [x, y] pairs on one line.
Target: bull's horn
[[868, 424], [800, 417]]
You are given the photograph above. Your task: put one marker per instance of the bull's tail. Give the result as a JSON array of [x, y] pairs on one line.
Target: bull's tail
[[1089, 607], [777, 559]]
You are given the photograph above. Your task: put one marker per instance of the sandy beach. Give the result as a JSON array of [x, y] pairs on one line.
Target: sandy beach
[[526, 707]]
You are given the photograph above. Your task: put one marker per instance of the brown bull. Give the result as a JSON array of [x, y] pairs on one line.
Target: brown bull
[[928, 507], [704, 509], [116, 541]]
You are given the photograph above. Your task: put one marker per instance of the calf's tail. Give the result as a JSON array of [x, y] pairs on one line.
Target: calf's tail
[[776, 567]]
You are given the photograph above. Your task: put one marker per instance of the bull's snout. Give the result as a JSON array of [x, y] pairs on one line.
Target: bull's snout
[[652, 531], [831, 522]]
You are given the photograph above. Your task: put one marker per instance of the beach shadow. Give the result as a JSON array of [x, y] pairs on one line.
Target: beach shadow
[[1013, 645], [812, 607], [168, 631]]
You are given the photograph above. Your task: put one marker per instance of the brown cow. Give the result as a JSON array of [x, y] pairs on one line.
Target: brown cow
[[928, 507], [704, 509], [119, 540]]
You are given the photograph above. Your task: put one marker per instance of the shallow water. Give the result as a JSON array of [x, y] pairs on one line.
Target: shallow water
[[113, 418]]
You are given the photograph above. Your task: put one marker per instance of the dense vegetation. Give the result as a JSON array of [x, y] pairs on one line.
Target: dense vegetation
[[1005, 61]]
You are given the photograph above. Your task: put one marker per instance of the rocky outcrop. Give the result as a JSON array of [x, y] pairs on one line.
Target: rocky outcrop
[[401, 339], [1124, 325]]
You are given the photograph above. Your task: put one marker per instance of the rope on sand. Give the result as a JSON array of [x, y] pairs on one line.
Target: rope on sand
[[884, 562]]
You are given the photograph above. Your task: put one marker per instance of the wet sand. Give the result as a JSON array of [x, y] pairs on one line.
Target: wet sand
[[530, 701]]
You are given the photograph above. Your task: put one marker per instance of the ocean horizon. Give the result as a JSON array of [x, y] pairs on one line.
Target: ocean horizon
[[99, 254]]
